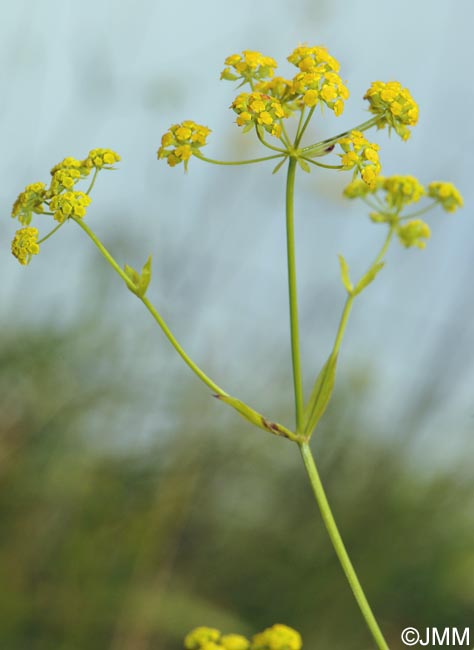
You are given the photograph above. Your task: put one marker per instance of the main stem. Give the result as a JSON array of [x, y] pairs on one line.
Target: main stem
[[308, 459], [339, 547], [295, 343]]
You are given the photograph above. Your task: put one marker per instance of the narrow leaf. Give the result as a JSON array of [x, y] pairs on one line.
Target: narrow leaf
[[346, 281], [304, 165], [278, 167], [320, 395], [257, 419], [144, 278], [133, 276], [368, 277]]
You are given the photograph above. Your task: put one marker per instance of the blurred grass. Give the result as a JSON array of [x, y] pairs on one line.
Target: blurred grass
[[128, 548]]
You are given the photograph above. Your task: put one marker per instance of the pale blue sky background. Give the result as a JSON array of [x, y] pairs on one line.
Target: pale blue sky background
[[74, 76]]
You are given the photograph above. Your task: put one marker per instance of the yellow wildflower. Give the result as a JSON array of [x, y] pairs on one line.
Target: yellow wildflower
[[69, 204], [446, 194], [234, 642], [25, 244], [394, 104], [249, 66], [321, 85], [200, 636], [362, 155], [308, 58], [101, 158], [402, 190], [277, 637], [258, 109], [413, 233], [29, 201], [182, 141]]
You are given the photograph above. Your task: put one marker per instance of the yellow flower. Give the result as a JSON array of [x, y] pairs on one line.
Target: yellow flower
[[277, 637], [362, 155], [308, 58], [64, 179], [182, 141], [258, 109], [413, 233], [249, 66], [234, 642], [100, 158], [320, 85], [402, 190], [25, 244], [29, 201], [200, 636], [394, 104], [70, 163], [69, 204], [446, 194]]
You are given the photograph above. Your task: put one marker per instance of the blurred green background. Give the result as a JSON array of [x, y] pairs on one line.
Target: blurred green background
[[133, 506]]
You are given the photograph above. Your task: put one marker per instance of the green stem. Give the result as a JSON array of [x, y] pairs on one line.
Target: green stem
[[319, 147], [295, 344], [41, 241], [94, 177], [105, 253], [339, 547], [418, 213], [259, 132], [318, 164], [238, 162], [301, 131]]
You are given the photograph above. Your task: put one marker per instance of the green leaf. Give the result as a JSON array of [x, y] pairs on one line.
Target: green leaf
[[133, 276], [277, 168], [304, 166], [257, 419], [368, 277], [320, 395], [145, 278], [346, 281]]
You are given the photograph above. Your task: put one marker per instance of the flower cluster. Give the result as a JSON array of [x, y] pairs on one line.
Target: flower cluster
[[182, 141], [394, 193], [402, 190], [69, 204], [277, 637], [413, 233], [321, 86], [446, 194], [100, 158], [60, 200], [361, 155], [25, 244], [308, 58], [258, 109], [249, 66], [318, 80], [30, 201], [395, 106]]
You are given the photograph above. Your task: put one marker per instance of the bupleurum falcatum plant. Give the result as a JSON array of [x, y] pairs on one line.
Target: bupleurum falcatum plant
[[265, 108]]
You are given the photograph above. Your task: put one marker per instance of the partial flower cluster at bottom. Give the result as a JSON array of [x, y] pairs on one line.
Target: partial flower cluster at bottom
[[277, 637]]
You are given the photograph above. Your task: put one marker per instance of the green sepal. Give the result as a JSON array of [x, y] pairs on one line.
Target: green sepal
[[304, 165], [346, 281], [320, 396], [257, 419], [368, 278], [248, 127]]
